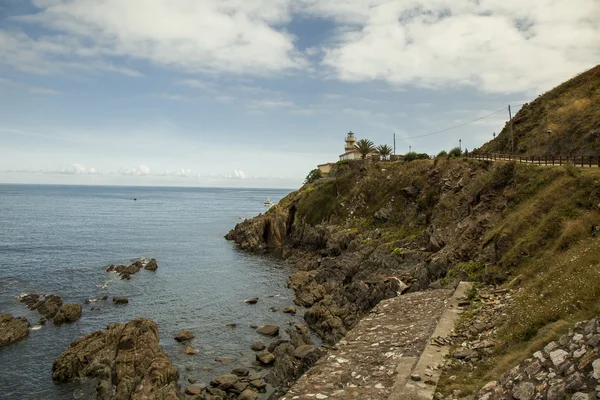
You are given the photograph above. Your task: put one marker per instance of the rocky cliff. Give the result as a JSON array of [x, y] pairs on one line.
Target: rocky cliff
[[374, 230]]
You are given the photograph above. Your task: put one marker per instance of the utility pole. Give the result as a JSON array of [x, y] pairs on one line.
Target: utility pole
[[549, 133], [512, 134], [460, 144], [394, 143]]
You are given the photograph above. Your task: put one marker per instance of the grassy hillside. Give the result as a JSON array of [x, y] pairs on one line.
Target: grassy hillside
[[534, 228], [572, 112]]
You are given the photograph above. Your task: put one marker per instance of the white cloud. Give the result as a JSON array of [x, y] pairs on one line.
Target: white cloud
[[269, 104], [78, 169], [230, 36], [496, 46], [140, 170], [238, 174]]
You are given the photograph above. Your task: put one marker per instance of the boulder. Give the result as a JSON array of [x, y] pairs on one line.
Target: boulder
[[289, 310], [126, 360], [252, 300], [184, 335], [304, 350], [110, 268], [152, 265], [194, 390], [68, 313], [258, 346], [224, 382], [268, 330], [224, 360], [12, 329], [248, 394], [120, 300], [265, 357], [190, 351]]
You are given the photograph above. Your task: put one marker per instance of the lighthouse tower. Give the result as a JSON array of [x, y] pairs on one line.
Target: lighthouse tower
[[350, 141]]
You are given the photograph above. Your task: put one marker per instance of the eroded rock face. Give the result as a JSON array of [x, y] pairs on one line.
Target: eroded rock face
[[12, 329], [126, 359]]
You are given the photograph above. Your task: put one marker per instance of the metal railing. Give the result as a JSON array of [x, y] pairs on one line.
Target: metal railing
[[578, 161]]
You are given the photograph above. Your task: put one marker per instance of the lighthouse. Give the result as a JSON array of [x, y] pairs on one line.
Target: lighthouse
[[350, 151]]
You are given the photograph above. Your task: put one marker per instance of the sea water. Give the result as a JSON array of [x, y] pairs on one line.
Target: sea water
[[59, 239]]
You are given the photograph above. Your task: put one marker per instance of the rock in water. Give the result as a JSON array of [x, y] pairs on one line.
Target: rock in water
[[265, 357], [190, 351], [290, 310], [252, 300], [67, 313], [120, 300], [258, 346], [269, 330], [184, 335], [126, 359], [12, 329], [152, 265], [47, 305]]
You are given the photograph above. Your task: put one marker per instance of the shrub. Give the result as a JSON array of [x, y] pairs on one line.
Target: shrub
[[313, 176], [411, 156], [455, 152], [442, 153]]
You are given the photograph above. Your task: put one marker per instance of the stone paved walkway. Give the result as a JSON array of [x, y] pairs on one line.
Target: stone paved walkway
[[365, 363]]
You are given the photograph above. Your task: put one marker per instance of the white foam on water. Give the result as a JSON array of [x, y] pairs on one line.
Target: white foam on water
[[36, 328]]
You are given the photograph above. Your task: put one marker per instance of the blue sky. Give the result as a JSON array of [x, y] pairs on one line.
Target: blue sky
[[255, 93]]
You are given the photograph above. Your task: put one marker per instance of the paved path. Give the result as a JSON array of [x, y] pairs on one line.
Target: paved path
[[376, 358]]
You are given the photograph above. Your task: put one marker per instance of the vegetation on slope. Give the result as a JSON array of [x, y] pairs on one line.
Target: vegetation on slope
[[572, 113]]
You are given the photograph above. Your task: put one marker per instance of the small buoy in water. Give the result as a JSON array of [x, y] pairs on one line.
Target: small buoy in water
[[134, 199]]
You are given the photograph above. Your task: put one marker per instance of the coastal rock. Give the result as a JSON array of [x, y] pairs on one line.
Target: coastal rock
[[252, 300], [12, 329], [126, 359], [289, 310], [258, 346], [152, 265], [248, 394], [268, 330], [68, 313], [184, 335], [265, 357], [194, 390], [47, 305], [110, 268], [224, 382], [120, 300], [190, 351]]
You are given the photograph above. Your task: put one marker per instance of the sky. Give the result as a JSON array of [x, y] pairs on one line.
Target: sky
[[256, 93]]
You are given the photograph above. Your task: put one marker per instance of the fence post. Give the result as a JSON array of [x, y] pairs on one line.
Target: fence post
[[590, 161], [582, 161]]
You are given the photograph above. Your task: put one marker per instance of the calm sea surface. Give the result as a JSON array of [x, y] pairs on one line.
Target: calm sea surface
[[59, 239]]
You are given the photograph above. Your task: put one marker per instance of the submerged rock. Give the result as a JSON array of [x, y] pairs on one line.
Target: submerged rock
[[184, 335], [126, 359], [190, 351], [258, 346], [252, 300], [67, 313], [12, 329]]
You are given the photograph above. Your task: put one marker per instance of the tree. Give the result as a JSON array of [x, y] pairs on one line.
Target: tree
[[384, 151], [455, 152], [365, 147], [313, 176]]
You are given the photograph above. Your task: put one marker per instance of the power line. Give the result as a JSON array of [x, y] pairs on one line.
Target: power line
[[458, 126]]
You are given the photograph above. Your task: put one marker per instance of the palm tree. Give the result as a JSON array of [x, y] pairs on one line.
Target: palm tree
[[384, 151], [365, 147]]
